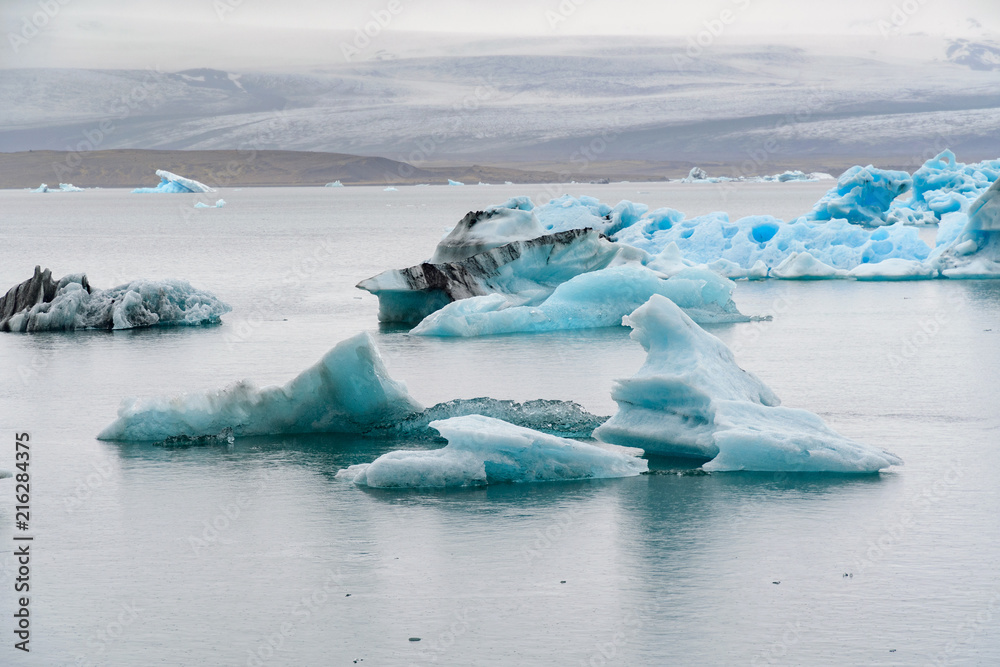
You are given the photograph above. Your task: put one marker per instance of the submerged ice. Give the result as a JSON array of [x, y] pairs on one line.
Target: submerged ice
[[44, 304], [483, 450], [691, 399], [170, 182]]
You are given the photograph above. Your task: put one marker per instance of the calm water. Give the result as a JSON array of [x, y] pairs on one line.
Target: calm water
[[255, 554]]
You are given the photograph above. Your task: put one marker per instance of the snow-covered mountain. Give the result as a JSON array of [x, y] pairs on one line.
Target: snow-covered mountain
[[559, 100]]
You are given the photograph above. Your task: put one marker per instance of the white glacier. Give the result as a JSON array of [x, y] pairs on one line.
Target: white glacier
[[482, 450], [691, 399], [589, 300], [170, 182], [348, 391]]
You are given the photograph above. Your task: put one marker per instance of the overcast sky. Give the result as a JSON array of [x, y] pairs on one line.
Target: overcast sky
[[115, 33]]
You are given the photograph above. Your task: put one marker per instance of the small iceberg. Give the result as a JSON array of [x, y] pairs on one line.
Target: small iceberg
[[482, 450], [390, 189], [43, 304], [5, 473], [975, 250], [218, 204], [170, 182], [335, 184], [41, 188], [451, 182], [348, 391], [691, 399], [69, 187]]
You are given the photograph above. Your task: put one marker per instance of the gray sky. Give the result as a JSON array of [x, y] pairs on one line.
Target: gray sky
[[226, 33]]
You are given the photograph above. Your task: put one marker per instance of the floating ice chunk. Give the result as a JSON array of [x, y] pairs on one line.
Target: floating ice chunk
[[480, 231], [691, 399], [42, 188], [69, 187], [5, 473], [335, 184], [894, 269], [975, 252], [803, 266], [862, 196], [451, 182], [589, 300], [697, 174], [348, 391], [170, 182], [42, 304], [482, 450], [529, 269], [218, 204], [391, 189]]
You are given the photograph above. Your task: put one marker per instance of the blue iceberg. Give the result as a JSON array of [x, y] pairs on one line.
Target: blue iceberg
[[218, 204], [589, 300], [348, 391], [862, 196], [172, 183], [691, 399], [482, 450]]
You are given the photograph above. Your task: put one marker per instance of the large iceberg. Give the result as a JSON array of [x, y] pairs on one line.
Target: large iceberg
[[348, 391], [941, 186], [44, 304], [691, 399], [170, 182], [482, 450], [589, 300], [529, 269]]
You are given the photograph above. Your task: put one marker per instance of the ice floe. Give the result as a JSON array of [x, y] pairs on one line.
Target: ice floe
[[691, 399], [44, 304], [482, 450]]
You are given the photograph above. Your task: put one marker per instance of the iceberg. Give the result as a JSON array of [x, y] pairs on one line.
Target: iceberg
[[942, 185], [41, 188], [530, 269], [5, 473], [691, 399], [975, 251], [391, 189], [862, 196], [44, 304], [335, 184], [482, 450], [218, 204], [803, 266], [348, 391], [589, 300], [893, 269], [69, 187], [451, 182], [170, 182]]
